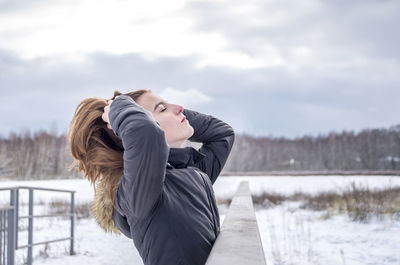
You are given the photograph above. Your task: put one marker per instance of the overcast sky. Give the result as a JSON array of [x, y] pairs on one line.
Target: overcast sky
[[267, 67]]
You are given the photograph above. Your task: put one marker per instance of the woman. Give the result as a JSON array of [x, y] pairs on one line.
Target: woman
[[147, 185]]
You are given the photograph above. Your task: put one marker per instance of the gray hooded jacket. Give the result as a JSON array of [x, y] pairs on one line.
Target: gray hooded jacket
[[165, 200]]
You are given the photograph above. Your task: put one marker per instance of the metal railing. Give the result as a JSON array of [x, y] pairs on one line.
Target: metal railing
[[9, 227], [239, 239], [6, 238]]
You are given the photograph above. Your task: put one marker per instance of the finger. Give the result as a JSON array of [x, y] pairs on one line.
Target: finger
[[109, 126], [104, 117]]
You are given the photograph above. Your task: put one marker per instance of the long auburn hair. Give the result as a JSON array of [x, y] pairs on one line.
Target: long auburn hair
[[96, 150]]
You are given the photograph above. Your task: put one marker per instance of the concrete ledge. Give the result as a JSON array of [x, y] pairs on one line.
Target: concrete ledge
[[239, 240]]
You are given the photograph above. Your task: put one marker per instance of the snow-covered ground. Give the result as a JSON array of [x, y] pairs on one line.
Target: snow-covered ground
[[294, 236], [289, 235]]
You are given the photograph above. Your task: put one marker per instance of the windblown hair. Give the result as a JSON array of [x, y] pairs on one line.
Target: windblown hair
[[96, 150]]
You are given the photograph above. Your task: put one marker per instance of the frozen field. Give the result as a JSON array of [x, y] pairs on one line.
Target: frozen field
[[289, 235]]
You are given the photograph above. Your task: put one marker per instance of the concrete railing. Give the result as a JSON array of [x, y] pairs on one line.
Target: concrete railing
[[239, 240]]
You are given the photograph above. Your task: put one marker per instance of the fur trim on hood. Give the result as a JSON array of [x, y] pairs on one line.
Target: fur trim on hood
[[102, 209]]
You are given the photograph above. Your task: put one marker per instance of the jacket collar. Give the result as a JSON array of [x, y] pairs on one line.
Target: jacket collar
[[184, 157]]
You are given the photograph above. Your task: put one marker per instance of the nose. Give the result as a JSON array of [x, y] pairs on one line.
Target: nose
[[179, 109]]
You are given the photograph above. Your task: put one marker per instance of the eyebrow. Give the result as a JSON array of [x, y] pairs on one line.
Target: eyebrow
[[158, 104]]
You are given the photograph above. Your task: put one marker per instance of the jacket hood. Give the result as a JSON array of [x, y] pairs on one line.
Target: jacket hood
[[102, 207]]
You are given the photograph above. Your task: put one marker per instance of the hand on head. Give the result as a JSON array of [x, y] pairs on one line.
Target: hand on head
[[105, 114]]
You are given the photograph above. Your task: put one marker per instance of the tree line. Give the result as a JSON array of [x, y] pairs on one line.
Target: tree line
[[37, 155], [43, 154], [369, 150]]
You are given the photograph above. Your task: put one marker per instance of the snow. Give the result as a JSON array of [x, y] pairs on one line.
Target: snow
[[294, 236], [226, 186], [289, 235], [95, 247]]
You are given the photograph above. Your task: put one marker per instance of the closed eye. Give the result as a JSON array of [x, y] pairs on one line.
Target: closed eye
[[163, 109]]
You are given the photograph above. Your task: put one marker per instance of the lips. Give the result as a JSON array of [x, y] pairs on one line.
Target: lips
[[184, 119]]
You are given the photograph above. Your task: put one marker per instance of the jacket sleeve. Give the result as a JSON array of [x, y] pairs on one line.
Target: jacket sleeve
[[217, 138], [145, 157]]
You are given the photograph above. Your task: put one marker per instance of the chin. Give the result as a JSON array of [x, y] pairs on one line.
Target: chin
[[191, 132]]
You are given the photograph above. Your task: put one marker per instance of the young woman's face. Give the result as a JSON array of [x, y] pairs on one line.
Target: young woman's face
[[170, 117]]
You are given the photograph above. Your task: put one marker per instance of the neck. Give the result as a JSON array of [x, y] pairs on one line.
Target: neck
[[176, 144]]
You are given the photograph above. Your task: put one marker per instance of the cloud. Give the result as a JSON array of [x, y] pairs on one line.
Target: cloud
[[298, 37], [267, 67], [7, 6], [109, 26], [36, 93], [236, 60], [188, 98], [329, 38]]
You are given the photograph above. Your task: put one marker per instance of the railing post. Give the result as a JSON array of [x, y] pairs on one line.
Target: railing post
[[10, 237], [71, 249], [11, 229], [16, 214], [14, 204], [2, 230], [30, 227]]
